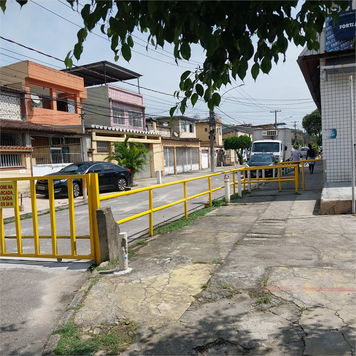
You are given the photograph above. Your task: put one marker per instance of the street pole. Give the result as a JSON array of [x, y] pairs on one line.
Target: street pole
[[295, 131], [212, 127], [275, 117]]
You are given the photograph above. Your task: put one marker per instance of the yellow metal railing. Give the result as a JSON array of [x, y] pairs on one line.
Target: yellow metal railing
[[54, 236], [244, 180]]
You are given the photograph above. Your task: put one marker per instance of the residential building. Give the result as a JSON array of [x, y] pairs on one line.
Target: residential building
[[111, 113], [50, 97], [203, 133], [180, 144], [18, 135], [330, 74]]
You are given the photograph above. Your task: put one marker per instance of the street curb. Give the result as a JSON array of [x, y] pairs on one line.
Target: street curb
[[54, 338]]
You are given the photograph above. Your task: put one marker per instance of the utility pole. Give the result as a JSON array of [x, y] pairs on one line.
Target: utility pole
[[212, 128], [275, 117]]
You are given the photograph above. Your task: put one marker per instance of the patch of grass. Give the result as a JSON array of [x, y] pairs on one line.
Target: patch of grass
[[237, 243], [76, 308], [301, 309], [112, 264], [217, 261], [236, 196], [142, 242], [95, 280], [263, 309], [218, 202], [266, 299], [182, 222], [233, 293], [226, 286], [264, 283], [110, 339], [132, 252], [204, 286], [200, 263]]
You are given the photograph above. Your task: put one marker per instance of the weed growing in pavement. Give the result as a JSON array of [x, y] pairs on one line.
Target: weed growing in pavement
[[204, 286], [108, 339], [237, 243], [226, 286], [266, 299], [182, 222], [77, 307], [233, 293], [200, 263], [236, 196], [217, 261], [112, 264], [263, 309], [132, 252], [301, 309], [264, 283], [95, 280], [142, 242]]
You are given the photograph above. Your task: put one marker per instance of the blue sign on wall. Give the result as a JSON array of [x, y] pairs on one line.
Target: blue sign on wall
[[339, 35], [330, 133]]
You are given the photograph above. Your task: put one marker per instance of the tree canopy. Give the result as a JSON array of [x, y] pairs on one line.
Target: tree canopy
[[237, 144], [312, 125], [230, 32]]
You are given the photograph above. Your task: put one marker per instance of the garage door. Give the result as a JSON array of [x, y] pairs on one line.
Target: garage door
[[204, 159], [187, 159], [146, 171], [168, 160]]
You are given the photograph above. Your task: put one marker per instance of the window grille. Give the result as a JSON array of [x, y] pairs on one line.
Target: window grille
[[118, 116], [135, 119], [11, 160], [102, 146], [10, 139]]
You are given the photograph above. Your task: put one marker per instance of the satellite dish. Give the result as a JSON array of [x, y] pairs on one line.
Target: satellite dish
[[175, 134], [35, 98], [165, 124]]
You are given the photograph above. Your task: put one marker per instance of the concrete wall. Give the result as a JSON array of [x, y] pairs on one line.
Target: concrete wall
[[97, 107], [10, 107], [335, 113]]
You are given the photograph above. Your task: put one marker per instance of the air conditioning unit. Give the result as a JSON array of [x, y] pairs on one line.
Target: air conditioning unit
[[270, 133]]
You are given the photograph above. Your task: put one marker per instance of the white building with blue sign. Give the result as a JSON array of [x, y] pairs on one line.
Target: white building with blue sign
[[330, 74]]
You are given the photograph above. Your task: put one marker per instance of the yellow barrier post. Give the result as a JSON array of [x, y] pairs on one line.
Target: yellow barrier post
[[150, 194], [2, 231], [296, 170], [279, 178], [185, 201], [36, 241], [17, 220], [303, 176], [94, 204], [73, 242], [210, 194], [233, 182], [52, 212]]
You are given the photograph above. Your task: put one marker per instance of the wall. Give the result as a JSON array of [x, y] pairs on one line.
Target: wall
[[335, 112], [97, 107], [10, 107]]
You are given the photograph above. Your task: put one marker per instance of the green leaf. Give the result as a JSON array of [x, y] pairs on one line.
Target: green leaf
[[216, 99], [207, 94], [172, 110], [68, 60], [194, 98], [255, 70], [130, 41], [151, 5], [183, 105], [266, 65], [3, 6], [126, 52], [199, 89], [78, 49], [185, 75], [102, 29], [185, 50]]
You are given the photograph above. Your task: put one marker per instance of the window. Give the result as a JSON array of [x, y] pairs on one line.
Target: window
[[183, 126], [206, 130], [102, 146], [135, 119], [10, 139], [11, 160], [118, 116], [191, 127]]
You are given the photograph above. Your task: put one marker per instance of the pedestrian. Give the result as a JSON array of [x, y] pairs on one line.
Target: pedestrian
[[311, 155], [296, 155]]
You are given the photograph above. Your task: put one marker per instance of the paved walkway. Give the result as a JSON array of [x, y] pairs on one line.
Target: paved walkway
[[266, 275]]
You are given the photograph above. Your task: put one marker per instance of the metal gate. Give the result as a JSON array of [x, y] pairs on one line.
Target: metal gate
[[187, 159], [45, 236], [204, 159], [168, 160]]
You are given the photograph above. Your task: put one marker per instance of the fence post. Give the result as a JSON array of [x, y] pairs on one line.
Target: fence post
[[123, 251], [263, 176], [249, 180], [150, 204], [159, 177], [227, 189], [239, 184]]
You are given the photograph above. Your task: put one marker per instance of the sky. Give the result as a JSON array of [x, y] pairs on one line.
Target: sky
[[51, 26]]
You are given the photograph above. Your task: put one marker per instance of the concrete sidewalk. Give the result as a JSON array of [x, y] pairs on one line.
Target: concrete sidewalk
[[265, 275]]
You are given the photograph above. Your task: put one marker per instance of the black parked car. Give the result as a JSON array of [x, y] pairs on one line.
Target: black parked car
[[262, 160], [111, 177]]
